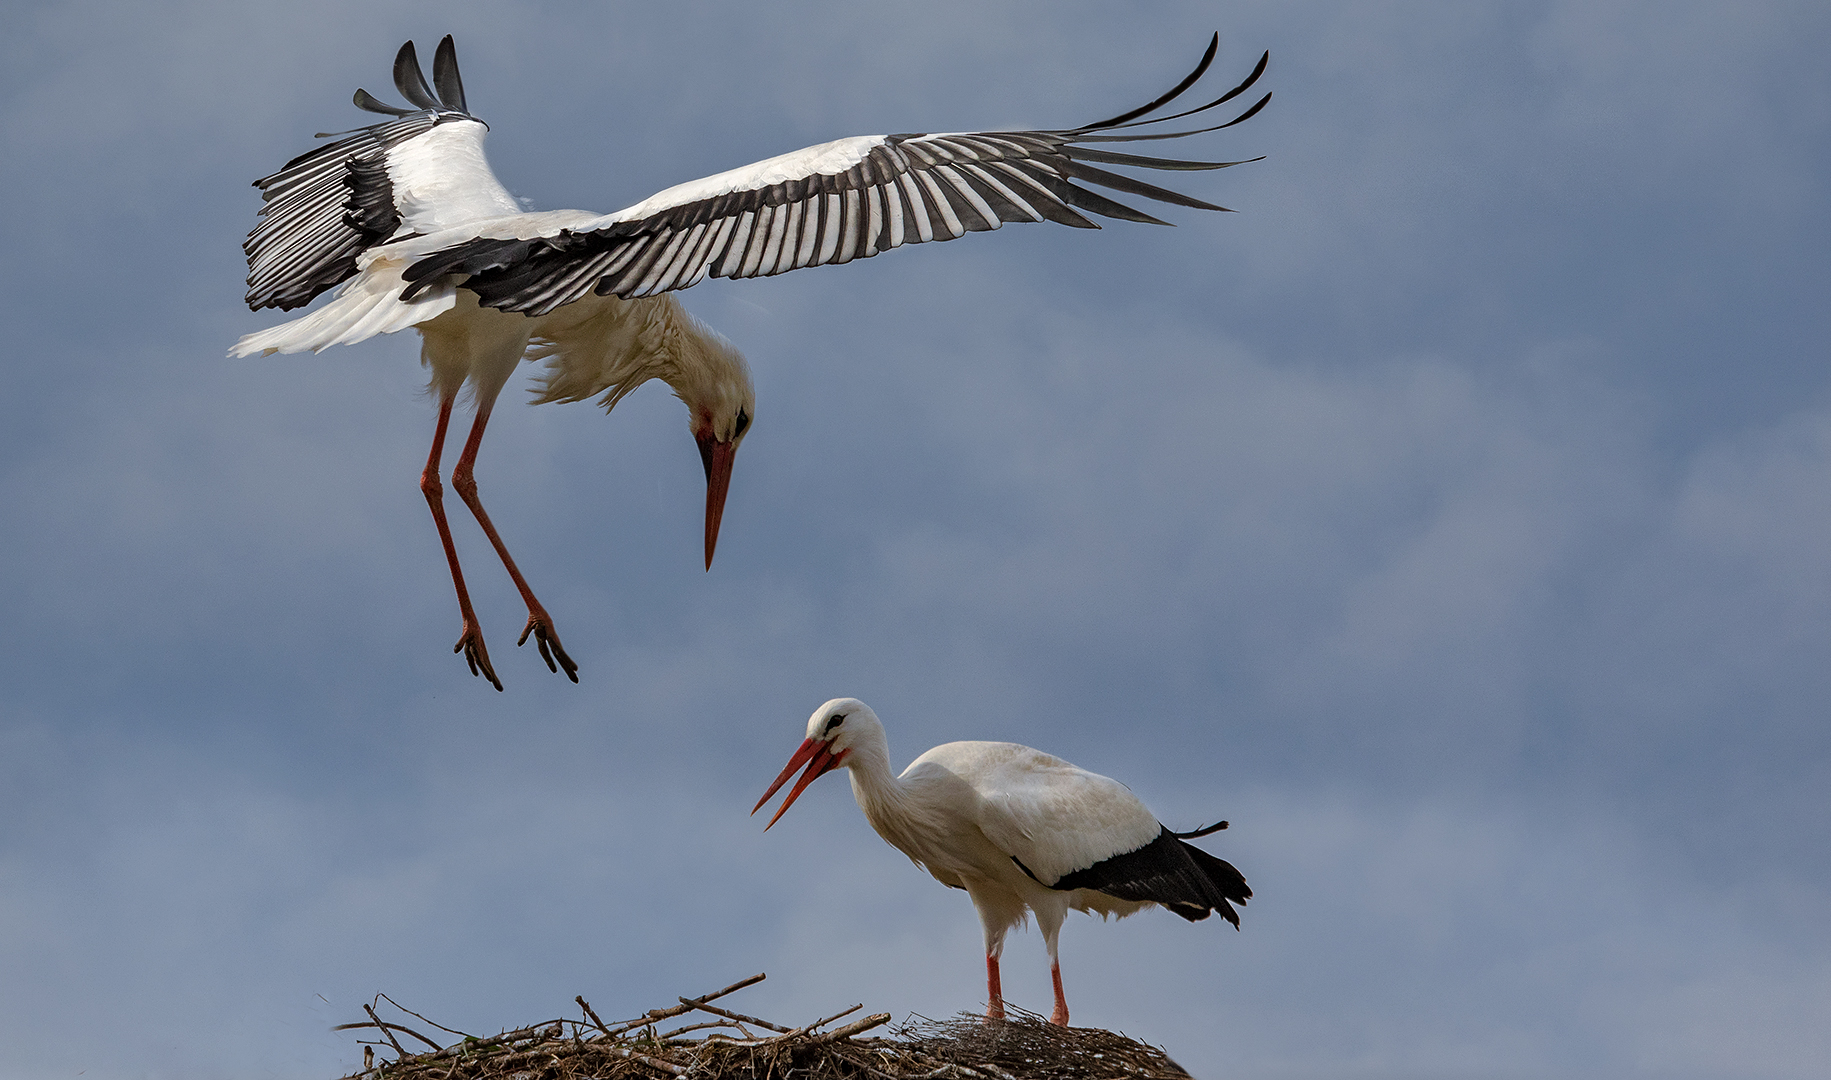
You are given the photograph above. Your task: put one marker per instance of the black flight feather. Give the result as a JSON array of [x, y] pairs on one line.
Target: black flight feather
[[1240, 119], [370, 103], [1117, 182], [445, 75], [1139, 161], [410, 80], [1214, 45], [1196, 833], [1166, 871], [1222, 100]]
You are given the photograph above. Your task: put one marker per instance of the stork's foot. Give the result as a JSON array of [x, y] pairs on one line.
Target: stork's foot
[[995, 1011], [547, 639], [478, 657], [1059, 1017]]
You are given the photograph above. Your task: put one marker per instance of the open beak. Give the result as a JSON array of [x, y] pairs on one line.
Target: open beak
[[819, 758], [717, 457]]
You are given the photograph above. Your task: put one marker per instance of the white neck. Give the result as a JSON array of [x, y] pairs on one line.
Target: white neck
[[889, 805]]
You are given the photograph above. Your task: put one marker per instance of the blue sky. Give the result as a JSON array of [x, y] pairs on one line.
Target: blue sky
[[1455, 519]]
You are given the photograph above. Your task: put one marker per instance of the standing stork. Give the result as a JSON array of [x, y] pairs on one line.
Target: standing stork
[[406, 221], [1019, 830]]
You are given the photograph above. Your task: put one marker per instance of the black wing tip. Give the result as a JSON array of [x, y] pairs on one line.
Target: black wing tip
[[1130, 119], [1249, 113], [410, 79], [445, 78], [1201, 68], [368, 102]]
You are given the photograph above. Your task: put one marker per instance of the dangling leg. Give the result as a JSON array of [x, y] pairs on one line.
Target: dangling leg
[[471, 641], [539, 623]]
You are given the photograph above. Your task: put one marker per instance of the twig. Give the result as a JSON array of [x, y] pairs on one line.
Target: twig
[[434, 1023], [662, 1014], [716, 1011], [370, 1009], [835, 1016], [586, 1005], [656, 1063], [804, 1029], [850, 1030], [694, 1027]]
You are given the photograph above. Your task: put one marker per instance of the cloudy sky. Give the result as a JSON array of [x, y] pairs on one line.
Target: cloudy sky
[[1455, 519]]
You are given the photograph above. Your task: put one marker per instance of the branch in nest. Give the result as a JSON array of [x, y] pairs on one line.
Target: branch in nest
[[687, 1006], [716, 1011]]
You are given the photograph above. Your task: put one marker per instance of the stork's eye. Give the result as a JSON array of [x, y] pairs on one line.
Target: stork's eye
[[743, 423], [834, 722]]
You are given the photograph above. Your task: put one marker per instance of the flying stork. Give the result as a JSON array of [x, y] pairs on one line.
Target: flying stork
[[1017, 829], [407, 223]]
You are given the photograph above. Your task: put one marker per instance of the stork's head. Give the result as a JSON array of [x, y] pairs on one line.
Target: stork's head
[[713, 380], [836, 729]]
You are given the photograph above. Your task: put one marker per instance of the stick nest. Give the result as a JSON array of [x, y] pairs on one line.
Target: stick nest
[[733, 1046]]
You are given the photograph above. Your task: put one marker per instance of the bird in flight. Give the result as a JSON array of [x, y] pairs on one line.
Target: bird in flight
[[1019, 830], [406, 224]]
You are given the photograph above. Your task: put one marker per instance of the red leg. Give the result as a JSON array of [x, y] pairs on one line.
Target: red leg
[[1060, 1016], [539, 623], [471, 641], [994, 993]]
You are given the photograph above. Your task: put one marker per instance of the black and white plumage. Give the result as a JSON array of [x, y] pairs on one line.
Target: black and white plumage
[[825, 205], [1019, 830], [407, 222]]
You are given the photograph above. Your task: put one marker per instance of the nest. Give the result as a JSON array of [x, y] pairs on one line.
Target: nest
[[732, 1046]]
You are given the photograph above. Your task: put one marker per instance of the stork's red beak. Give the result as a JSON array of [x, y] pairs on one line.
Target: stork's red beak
[[717, 457], [819, 758]]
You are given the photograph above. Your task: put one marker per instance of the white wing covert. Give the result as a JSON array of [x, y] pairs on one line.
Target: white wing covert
[[1050, 816], [830, 204], [424, 169]]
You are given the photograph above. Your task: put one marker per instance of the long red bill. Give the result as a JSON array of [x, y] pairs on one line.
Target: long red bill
[[818, 757], [717, 457]]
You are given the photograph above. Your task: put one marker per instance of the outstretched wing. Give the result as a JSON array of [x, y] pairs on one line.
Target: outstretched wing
[[424, 169], [828, 204]]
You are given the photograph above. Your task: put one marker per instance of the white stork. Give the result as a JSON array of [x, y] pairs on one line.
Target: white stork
[[1017, 829], [406, 221]]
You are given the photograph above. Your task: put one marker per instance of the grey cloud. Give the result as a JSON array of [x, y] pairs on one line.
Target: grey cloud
[[1450, 519]]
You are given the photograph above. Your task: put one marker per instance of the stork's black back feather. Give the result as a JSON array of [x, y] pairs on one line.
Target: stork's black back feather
[[1171, 872]]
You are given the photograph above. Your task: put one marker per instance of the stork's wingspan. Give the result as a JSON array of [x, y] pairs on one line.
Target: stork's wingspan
[[423, 170], [828, 204]]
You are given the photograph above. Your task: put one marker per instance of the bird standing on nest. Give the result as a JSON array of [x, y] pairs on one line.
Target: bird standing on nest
[[1019, 830], [406, 220]]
